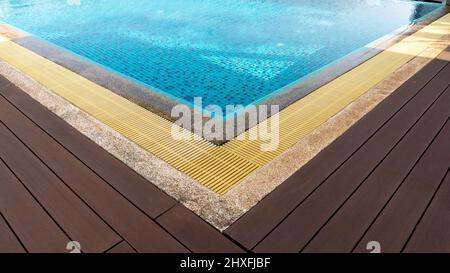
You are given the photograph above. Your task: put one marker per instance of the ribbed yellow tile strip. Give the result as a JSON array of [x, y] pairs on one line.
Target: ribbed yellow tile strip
[[219, 168]]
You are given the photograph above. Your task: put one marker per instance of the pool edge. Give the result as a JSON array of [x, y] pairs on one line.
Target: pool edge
[[233, 193], [161, 103]]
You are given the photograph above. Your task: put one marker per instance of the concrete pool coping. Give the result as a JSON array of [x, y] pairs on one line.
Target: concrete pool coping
[[160, 103], [220, 210]]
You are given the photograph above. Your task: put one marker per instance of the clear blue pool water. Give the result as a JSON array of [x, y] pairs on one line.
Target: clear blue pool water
[[225, 51]]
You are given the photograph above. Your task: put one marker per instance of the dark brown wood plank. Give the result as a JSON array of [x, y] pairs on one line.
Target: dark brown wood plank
[[293, 234], [71, 213], [128, 221], [256, 224], [8, 241], [343, 231], [122, 248], [432, 235], [140, 192], [398, 220], [196, 234], [34, 227]]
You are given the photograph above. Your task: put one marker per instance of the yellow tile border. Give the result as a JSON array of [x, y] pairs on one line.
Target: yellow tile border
[[219, 167]]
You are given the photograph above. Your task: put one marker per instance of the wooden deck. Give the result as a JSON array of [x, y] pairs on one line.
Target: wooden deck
[[386, 179], [57, 186]]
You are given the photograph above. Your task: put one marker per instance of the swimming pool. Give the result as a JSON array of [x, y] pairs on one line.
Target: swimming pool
[[225, 51]]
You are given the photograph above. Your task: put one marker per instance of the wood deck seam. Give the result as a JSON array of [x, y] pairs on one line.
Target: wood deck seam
[[173, 236], [430, 104], [2, 217], [403, 97], [84, 163], [187, 213], [436, 108], [112, 247], [62, 180], [34, 197], [102, 179], [377, 165], [356, 151], [359, 186], [402, 183], [425, 211]]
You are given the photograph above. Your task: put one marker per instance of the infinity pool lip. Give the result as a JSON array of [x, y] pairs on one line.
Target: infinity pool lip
[[162, 103]]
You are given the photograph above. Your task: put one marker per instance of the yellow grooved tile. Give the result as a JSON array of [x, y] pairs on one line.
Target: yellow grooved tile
[[318, 108], [220, 168]]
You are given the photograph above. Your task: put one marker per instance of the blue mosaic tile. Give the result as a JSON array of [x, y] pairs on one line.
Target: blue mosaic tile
[[225, 51]]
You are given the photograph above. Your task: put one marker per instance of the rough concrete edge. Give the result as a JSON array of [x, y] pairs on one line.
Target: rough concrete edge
[[220, 211]]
